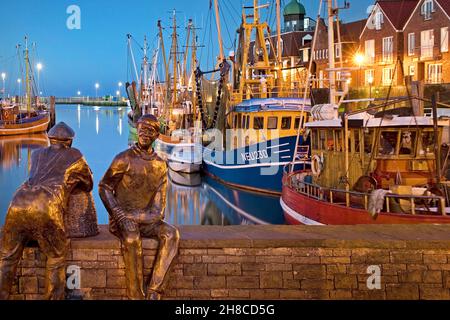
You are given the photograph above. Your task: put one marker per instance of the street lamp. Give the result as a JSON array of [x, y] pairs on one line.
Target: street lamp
[[359, 60], [39, 68], [79, 93], [3, 78], [96, 89], [19, 81]]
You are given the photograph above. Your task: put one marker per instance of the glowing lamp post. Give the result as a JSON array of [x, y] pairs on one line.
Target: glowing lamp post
[[359, 60], [19, 81], [39, 67], [96, 89]]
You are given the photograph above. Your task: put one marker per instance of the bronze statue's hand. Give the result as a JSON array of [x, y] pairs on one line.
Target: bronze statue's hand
[[128, 225]]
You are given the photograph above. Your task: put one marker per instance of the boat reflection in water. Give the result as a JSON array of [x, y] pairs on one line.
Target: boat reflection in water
[[192, 200], [15, 155]]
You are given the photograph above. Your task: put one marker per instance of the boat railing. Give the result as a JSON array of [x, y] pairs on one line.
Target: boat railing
[[408, 204]]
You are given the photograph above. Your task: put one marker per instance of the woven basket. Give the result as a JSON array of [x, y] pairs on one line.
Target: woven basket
[[81, 217]]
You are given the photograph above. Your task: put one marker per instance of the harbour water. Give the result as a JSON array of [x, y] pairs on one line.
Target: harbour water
[[103, 132]]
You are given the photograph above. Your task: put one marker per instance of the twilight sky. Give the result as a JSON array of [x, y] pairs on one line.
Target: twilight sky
[[76, 59]]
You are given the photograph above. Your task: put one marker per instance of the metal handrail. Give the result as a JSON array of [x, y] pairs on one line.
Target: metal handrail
[[317, 192]]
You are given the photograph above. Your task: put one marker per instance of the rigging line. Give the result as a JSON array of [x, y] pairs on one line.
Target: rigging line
[[231, 13], [228, 31], [234, 9], [204, 34]]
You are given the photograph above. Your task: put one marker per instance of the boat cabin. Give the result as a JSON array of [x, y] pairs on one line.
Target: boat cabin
[[387, 152], [260, 120]]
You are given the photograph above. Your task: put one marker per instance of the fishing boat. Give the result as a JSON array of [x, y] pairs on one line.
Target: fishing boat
[[32, 117], [180, 139], [383, 164], [263, 115]]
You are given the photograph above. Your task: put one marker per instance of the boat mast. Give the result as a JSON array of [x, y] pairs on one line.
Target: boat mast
[[279, 51], [132, 57], [193, 68], [189, 28], [27, 75], [175, 61], [331, 52], [219, 31], [145, 82]]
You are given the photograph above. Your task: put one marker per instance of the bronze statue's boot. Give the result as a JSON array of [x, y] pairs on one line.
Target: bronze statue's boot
[[153, 295], [132, 255]]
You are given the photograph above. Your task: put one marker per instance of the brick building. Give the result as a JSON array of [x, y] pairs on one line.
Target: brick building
[[382, 43], [426, 38]]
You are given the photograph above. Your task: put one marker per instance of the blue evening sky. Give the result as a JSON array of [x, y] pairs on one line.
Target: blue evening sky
[[76, 59]]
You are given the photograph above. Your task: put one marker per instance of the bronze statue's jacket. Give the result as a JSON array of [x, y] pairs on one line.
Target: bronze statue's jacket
[[135, 187]]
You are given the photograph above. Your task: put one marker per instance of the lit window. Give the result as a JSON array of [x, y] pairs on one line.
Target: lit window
[[370, 77], [427, 43], [411, 43], [435, 73], [444, 39], [388, 74], [379, 19], [412, 70], [427, 9], [338, 50], [370, 51], [388, 49]]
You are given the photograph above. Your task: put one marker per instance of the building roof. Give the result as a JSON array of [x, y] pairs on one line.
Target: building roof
[[445, 4], [350, 31], [294, 8], [399, 11]]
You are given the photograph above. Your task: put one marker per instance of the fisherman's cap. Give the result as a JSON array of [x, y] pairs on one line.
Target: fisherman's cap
[[151, 120], [61, 132]]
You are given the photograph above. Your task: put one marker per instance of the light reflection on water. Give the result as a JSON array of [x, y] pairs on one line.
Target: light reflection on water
[[103, 132]]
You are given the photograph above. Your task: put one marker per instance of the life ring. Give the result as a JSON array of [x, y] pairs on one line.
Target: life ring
[[316, 165]]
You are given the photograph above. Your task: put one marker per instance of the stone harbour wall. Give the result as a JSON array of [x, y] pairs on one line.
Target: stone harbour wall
[[268, 262]]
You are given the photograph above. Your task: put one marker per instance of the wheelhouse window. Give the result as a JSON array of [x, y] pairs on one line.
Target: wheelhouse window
[[357, 140], [323, 140], [272, 123], [330, 140], [388, 143], [297, 123], [408, 143], [258, 123], [339, 142], [314, 139], [286, 123], [368, 141], [427, 143]]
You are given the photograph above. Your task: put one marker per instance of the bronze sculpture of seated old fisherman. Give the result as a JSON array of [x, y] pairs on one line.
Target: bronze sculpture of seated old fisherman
[[133, 191]]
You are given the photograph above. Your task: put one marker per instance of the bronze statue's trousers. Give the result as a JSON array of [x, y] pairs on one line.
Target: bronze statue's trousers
[[40, 221], [168, 237]]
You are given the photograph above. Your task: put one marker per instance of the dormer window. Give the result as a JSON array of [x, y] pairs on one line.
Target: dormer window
[[427, 9], [379, 19]]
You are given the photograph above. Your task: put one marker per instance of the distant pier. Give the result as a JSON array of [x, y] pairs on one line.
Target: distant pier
[[90, 101]]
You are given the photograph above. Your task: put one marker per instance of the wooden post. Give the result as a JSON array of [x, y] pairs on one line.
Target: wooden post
[[417, 90], [52, 111]]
